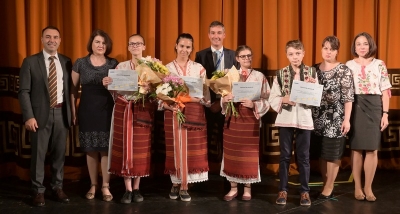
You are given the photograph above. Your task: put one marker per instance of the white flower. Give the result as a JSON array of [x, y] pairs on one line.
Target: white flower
[[163, 89]]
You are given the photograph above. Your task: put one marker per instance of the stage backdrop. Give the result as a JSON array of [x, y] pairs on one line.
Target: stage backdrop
[[264, 25]]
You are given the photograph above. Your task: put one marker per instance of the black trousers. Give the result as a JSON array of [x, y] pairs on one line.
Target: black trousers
[[286, 135]]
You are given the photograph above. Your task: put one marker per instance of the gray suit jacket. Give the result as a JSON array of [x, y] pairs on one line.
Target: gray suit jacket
[[33, 93]]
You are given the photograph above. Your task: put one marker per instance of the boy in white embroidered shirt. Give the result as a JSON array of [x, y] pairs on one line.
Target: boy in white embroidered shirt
[[293, 119]]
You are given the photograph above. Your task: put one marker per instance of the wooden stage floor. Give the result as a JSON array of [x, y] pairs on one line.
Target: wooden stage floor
[[206, 197]]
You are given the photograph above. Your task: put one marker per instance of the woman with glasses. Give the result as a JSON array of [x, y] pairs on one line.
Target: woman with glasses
[[130, 138], [240, 163]]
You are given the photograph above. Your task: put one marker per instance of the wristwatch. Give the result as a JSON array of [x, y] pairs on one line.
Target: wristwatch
[[385, 112]]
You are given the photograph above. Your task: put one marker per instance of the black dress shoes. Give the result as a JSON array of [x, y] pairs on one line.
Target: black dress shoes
[[60, 195], [38, 200], [322, 197]]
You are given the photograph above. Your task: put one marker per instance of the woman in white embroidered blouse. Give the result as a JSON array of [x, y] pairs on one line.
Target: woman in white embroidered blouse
[[186, 145], [133, 135], [370, 111], [240, 162]]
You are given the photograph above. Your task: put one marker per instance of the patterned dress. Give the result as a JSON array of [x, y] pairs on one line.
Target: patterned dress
[[186, 148], [338, 90], [240, 162], [95, 106]]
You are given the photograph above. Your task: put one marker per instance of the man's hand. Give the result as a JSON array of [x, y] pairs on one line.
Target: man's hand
[[31, 125]]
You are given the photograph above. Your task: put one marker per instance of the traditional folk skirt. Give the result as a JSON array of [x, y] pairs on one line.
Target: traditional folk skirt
[[186, 145], [366, 121], [241, 147], [130, 148]]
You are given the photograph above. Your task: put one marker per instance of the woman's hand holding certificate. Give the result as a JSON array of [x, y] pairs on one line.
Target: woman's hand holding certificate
[[123, 80]]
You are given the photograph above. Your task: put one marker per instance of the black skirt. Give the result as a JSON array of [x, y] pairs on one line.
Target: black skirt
[[365, 122], [95, 112], [332, 148]]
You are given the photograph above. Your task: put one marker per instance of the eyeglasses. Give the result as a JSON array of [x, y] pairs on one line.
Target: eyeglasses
[[137, 44], [249, 56]]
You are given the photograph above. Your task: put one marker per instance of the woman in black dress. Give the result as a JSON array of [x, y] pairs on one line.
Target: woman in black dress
[[95, 107]]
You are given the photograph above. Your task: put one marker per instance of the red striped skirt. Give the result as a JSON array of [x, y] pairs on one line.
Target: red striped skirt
[[131, 142], [241, 144], [186, 149]]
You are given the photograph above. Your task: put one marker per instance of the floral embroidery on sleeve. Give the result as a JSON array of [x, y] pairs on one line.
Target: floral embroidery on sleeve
[[384, 80]]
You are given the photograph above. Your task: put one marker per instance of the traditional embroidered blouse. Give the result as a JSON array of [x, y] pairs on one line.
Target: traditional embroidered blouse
[[193, 69], [370, 79], [298, 116]]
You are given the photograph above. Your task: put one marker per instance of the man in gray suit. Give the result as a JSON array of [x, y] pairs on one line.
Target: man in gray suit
[[215, 58], [44, 98]]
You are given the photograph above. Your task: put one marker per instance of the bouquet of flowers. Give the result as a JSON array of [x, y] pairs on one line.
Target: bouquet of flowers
[[150, 70], [221, 83], [174, 91]]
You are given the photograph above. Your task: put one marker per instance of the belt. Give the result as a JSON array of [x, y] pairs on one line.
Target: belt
[[59, 105]]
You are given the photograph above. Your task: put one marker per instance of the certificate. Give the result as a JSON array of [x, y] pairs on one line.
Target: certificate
[[306, 93], [123, 80], [246, 90], [195, 86]]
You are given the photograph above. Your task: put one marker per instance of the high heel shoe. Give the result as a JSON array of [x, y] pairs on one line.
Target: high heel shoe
[[323, 197], [247, 198], [90, 195], [360, 197], [106, 197], [370, 198]]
